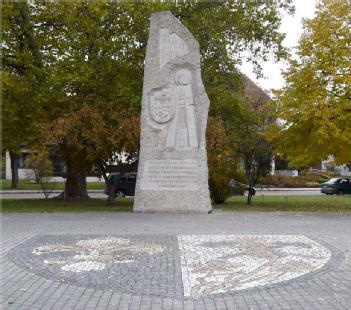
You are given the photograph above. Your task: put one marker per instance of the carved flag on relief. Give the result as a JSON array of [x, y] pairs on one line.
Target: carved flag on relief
[[171, 46]]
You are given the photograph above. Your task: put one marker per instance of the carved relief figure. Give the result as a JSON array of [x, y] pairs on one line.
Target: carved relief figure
[[170, 46], [182, 128]]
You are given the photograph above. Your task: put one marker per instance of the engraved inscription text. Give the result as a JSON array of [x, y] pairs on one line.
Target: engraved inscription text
[[170, 174]]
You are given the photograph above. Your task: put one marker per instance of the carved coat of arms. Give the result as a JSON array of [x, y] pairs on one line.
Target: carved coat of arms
[[162, 107]]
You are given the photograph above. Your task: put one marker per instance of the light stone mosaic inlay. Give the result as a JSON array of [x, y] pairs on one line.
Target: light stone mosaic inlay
[[223, 263], [93, 254]]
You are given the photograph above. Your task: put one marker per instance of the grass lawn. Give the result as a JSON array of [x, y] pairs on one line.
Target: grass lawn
[[289, 203], [86, 205], [26, 185], [235, 203]]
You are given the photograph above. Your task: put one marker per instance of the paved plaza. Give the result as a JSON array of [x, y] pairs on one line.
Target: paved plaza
[[176, 261]]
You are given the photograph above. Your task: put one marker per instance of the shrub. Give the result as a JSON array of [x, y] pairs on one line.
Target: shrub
[[218, 165], [43, 171], [218, 190], [305, 179]]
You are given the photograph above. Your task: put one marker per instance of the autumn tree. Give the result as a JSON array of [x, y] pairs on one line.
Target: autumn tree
[[95, 82], [220, 167], [314, 107]]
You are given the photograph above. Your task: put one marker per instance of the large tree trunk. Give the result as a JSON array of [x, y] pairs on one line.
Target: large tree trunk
[[110, 185], [76, 184], [14, 170]]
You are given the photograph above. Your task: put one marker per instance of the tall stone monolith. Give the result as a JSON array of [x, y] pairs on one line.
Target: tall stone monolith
[[172, 173]]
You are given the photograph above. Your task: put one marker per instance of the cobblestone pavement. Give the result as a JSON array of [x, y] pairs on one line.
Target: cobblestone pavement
[[174, 261]]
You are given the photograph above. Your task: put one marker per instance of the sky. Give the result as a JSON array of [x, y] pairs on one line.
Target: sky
[[292, 27]]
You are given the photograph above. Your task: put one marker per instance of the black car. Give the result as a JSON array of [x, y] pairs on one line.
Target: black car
[[338, 186], [123, 183]]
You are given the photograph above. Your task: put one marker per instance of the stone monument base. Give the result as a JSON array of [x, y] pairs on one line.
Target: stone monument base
[[173, 204]]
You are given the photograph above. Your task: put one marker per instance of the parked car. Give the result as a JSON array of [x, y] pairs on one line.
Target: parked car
[[124, 183], [338, 186]]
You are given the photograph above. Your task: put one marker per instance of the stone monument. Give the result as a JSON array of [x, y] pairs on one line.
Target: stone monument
[[172, 173]]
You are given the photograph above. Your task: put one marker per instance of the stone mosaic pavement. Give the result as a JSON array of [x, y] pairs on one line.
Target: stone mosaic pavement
[[155, 261]]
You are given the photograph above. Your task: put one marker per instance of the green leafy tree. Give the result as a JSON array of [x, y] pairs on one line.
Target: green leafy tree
[[93, 66], [93, 83], [315, 104], [22, 76], [248, 143]]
